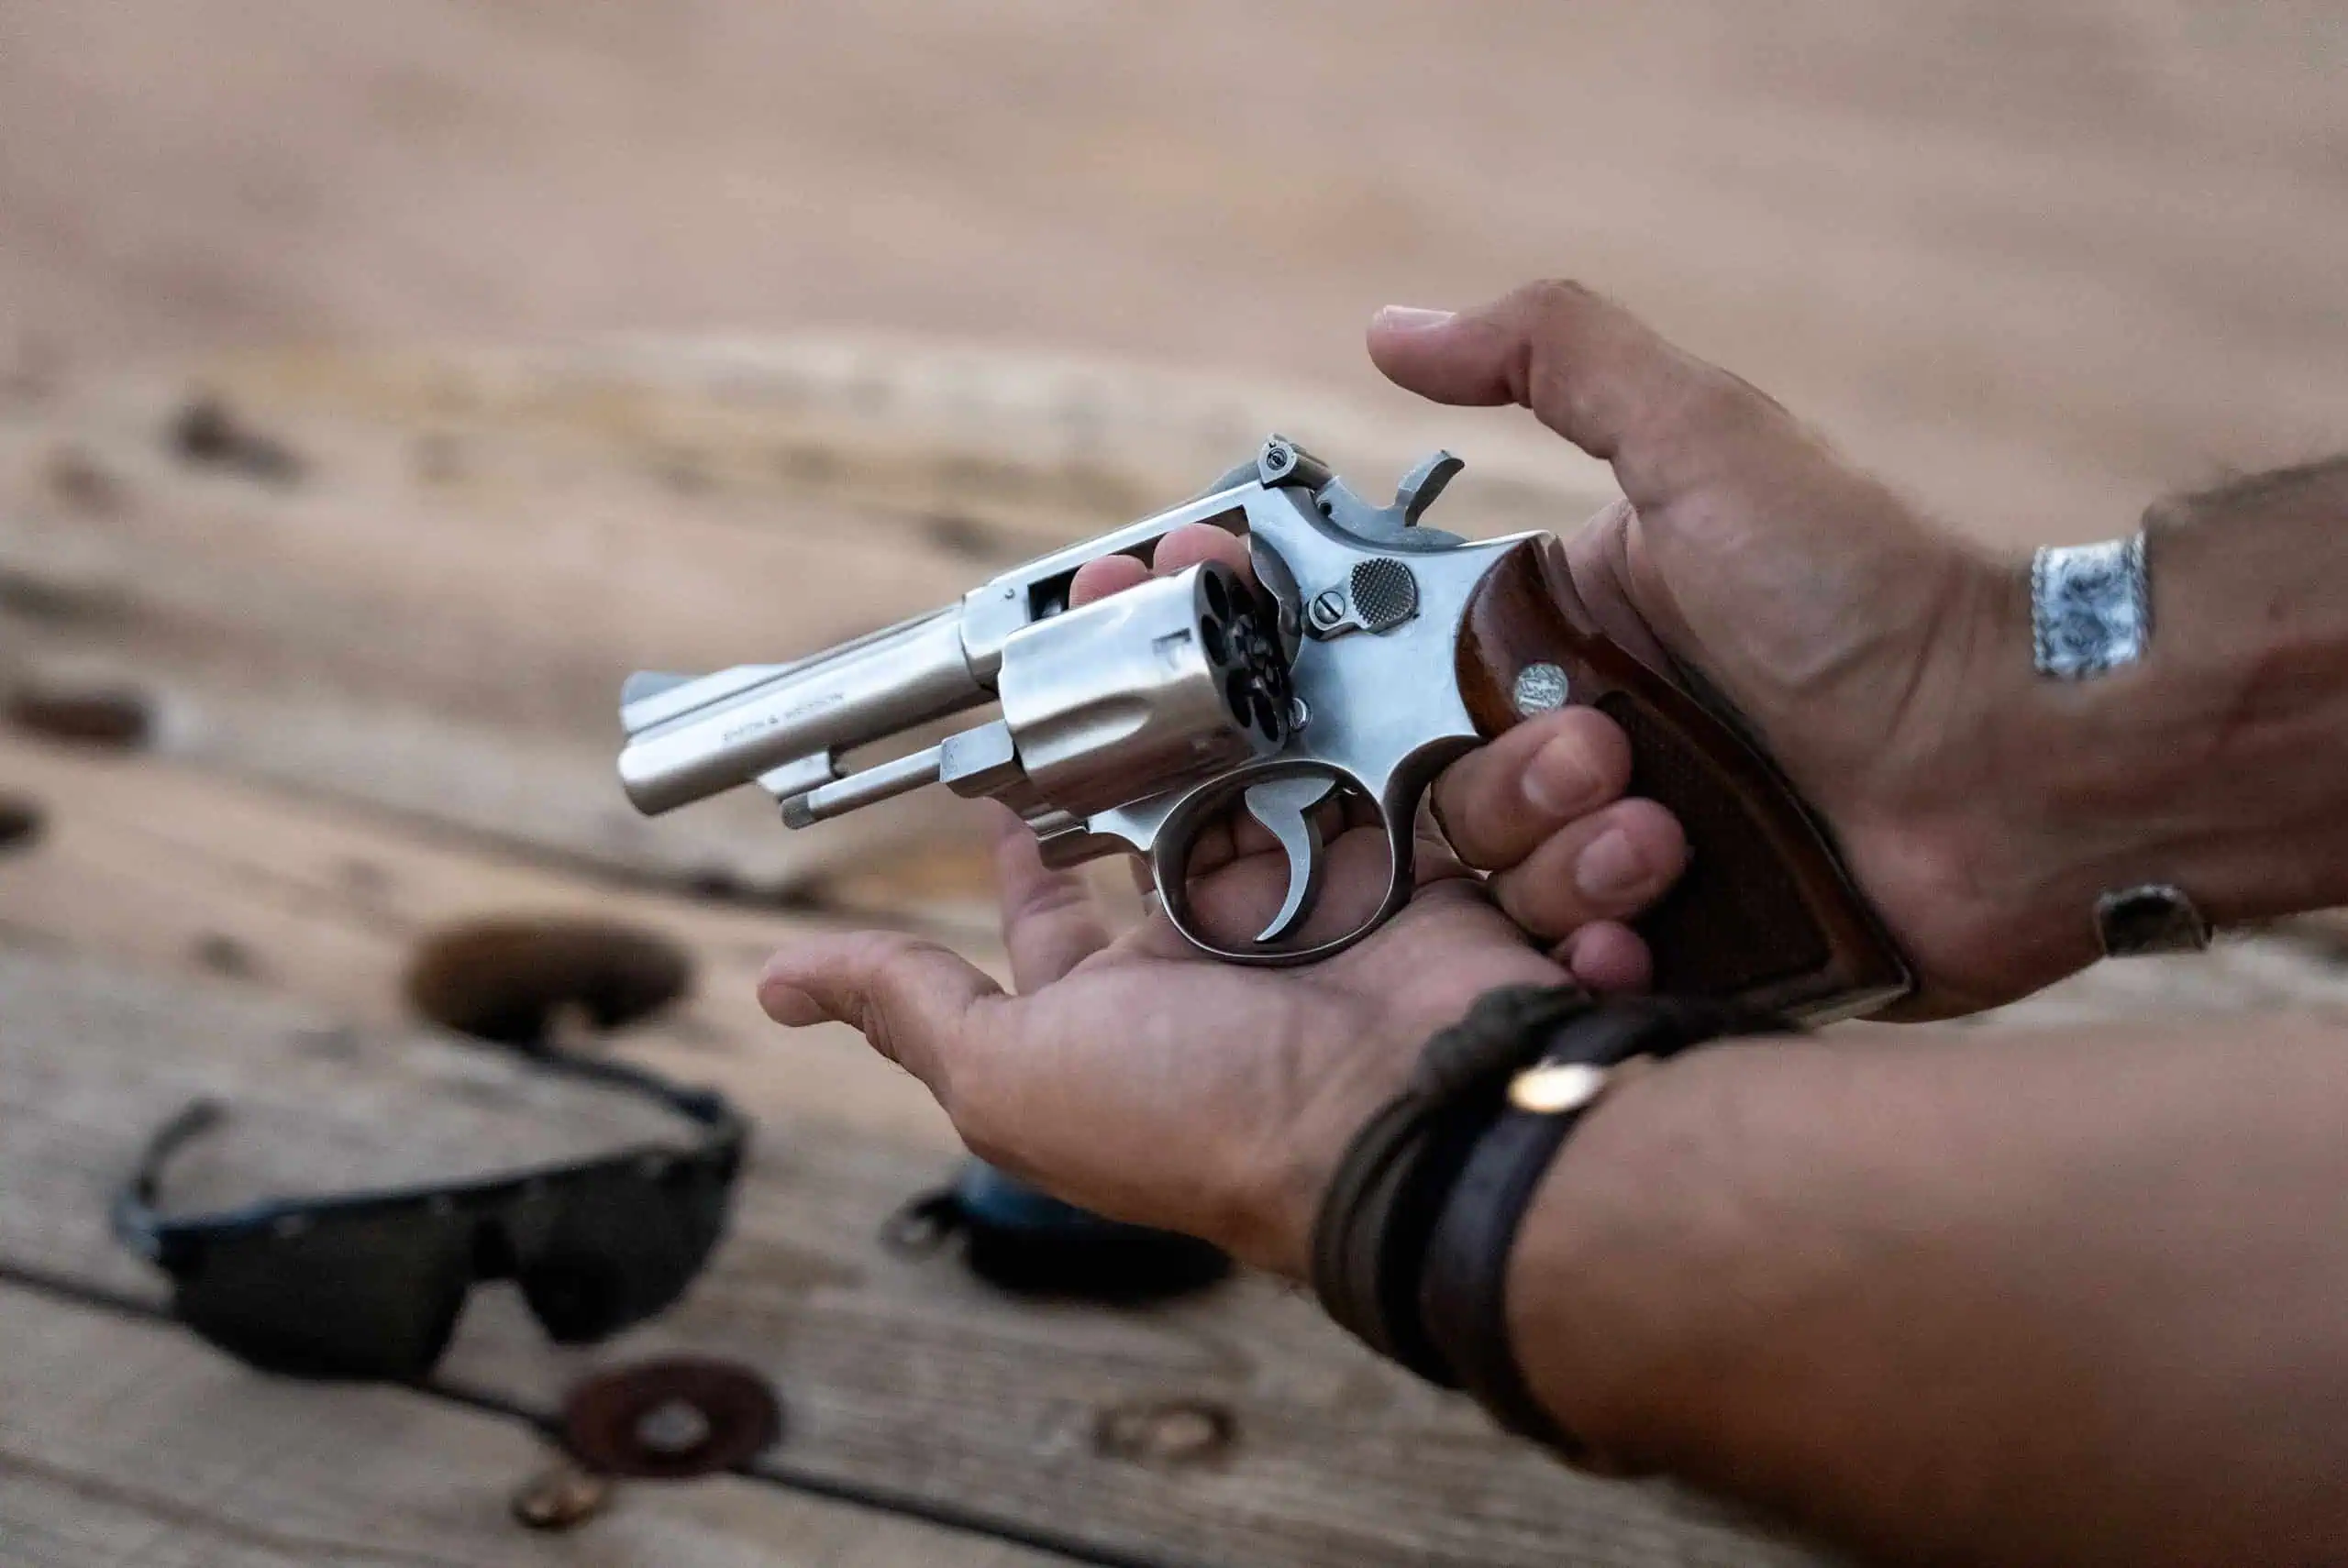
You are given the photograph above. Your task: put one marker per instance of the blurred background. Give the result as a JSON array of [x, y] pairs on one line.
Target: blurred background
[[2037, 260], [379, 384]]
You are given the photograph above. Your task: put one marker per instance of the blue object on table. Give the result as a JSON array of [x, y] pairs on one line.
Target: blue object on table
[[1028, 1242]]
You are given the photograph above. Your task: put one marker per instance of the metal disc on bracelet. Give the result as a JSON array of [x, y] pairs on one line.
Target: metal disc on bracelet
[[1553, 1089]]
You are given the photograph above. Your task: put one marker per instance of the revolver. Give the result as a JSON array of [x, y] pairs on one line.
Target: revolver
[[1369, 652]]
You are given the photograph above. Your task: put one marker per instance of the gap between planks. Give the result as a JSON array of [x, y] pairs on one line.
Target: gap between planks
[[121, 1437]]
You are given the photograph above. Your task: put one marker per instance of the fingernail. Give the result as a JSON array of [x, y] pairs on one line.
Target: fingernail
[[1559, 780], [1410, 318], [790, 1006], [1609, 867]]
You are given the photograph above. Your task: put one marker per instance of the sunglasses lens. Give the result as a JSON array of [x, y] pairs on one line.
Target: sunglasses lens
[[362, 1295], [622, 1243]]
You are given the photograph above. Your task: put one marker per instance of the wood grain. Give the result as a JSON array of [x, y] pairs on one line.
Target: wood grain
[[173, 868], [123, 1439], [170, 868]]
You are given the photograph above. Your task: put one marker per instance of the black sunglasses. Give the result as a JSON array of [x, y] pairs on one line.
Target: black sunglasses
[[369, 1285]]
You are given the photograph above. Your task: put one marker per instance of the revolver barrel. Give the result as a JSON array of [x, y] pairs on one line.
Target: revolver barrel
[[695, 738]]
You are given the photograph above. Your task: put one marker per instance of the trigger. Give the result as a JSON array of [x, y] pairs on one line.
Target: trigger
[[1284, 807]]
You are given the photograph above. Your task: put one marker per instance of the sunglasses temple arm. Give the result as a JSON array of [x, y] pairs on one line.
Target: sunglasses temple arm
[[705, 1105], [135, 1220]]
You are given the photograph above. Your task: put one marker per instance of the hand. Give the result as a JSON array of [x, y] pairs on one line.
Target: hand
[[1134, 1076], [1142, 1081], [1870, 651]]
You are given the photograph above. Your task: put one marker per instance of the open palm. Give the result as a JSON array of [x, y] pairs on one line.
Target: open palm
[[1134, 1076]]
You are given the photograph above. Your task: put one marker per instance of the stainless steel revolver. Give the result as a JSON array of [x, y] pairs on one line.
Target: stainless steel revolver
[[1369, 652]]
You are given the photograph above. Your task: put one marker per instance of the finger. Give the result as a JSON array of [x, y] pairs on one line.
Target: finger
[[1233, 899], [1100, 578], [1501, 802], [1607, 865], [1232, 903], [1051, 921], [1608, 957], [911, 999], [1233, 830], [1587, 368], [1184, 548], [1598, 564], [1195, 541]]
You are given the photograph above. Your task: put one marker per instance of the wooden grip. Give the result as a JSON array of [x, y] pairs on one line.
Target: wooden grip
[[1764, 914]]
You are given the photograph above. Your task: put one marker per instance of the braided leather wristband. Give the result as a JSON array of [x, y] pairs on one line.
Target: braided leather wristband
[[1462, 1282], [1388, 1190]]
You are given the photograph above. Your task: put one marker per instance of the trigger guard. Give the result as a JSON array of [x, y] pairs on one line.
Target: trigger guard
[[1170, 861]]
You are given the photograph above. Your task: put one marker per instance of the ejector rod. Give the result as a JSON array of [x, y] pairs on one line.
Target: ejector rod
[[882, 781]]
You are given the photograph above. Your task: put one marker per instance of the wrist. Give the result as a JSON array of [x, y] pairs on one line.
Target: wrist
[[1961, 824], [1272, 1228], [2216, 762]]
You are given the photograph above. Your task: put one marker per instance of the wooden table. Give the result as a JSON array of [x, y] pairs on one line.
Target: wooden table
[[375, 682]]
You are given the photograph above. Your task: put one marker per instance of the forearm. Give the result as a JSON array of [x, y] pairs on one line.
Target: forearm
[[2054, 1299], [2057, 1300]]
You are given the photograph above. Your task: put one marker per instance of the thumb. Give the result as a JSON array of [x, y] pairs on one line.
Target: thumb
[[1588, 369], [911, 999]]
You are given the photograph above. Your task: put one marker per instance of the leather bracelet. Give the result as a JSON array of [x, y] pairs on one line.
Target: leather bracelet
[[1387, 1192], [1462, 1287]]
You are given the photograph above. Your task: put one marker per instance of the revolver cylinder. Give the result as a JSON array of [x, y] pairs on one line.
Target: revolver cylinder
[[1140, 693], [1163, 684]]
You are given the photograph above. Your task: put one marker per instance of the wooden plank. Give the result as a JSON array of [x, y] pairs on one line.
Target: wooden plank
[[908, 1377], [905, 1378], [123, 1440], [434, 611], [168, 866]]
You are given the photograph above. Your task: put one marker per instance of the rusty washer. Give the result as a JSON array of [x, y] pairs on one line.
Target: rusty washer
[[671, 1420]]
